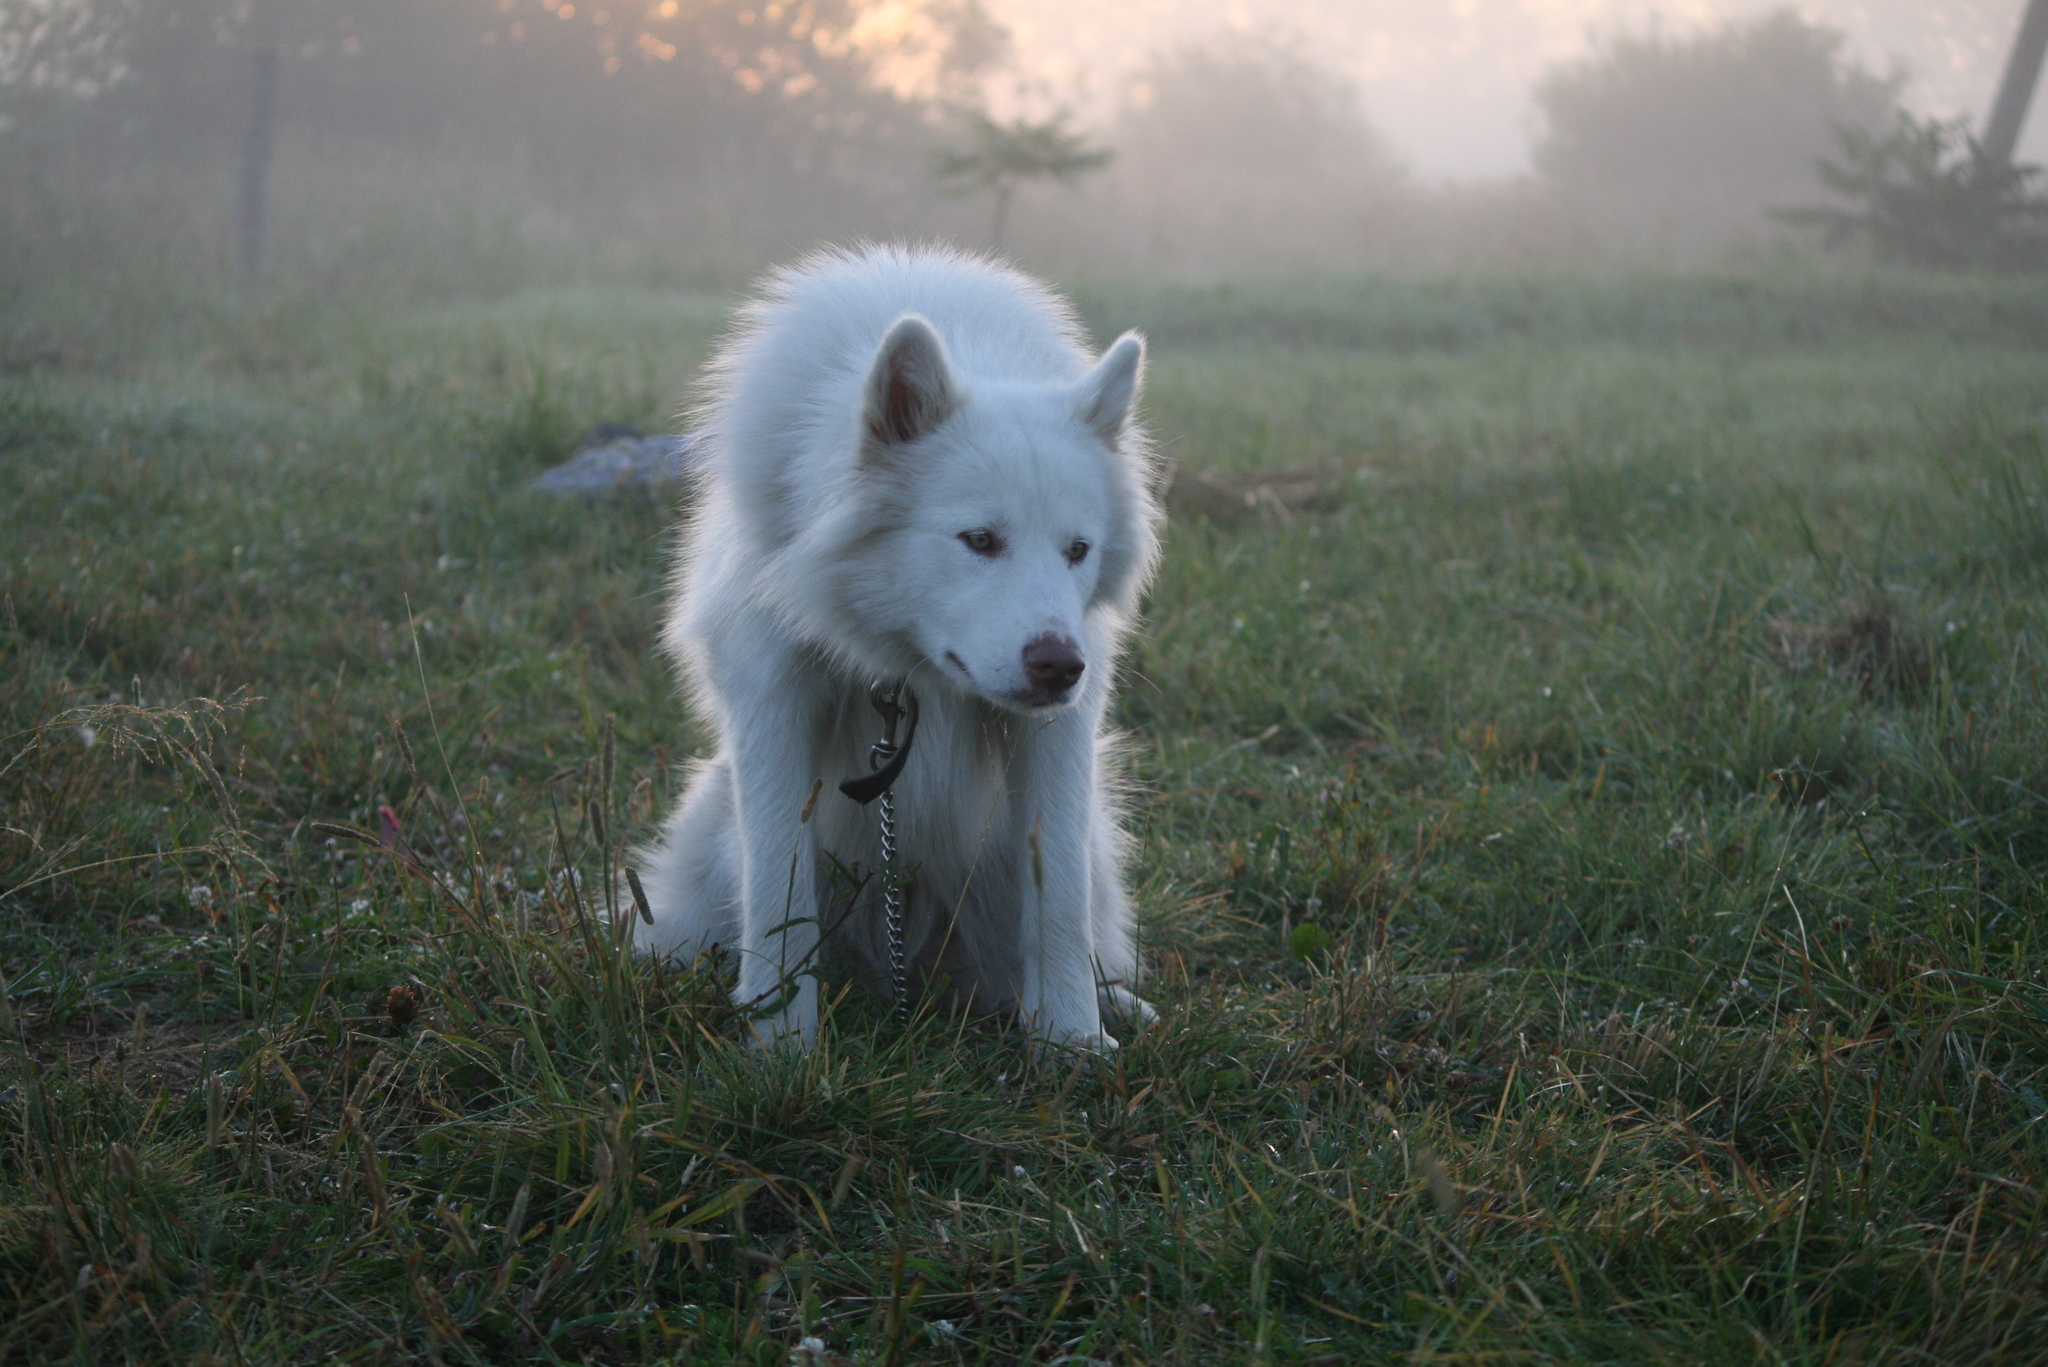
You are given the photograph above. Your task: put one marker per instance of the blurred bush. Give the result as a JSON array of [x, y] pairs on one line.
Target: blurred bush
[[1685, 142], [1244, 150], [1925, 193]]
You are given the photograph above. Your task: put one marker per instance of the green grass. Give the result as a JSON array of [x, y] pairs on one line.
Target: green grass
[[1591, 788]]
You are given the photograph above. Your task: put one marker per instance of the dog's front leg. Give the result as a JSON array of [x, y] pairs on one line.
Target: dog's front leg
[[774, 753], [1059, 999]]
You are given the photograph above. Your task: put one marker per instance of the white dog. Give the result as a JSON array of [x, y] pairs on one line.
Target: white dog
[[916, 477]]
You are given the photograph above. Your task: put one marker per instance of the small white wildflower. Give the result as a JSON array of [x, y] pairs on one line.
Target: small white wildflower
[[200, 896], [1018, 1173], [88, 736]]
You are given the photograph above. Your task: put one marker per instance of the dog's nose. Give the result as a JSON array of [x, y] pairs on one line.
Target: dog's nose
[[1053, 663]]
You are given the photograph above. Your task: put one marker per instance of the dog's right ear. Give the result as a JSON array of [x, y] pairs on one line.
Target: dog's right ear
[[910, 388], [1111, 388]]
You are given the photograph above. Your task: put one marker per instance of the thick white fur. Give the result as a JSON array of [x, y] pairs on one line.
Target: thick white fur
[[871, 407]]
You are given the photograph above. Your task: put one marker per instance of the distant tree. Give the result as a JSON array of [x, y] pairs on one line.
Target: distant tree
[[1927, 193], [487, 139], [1001, 156], [580, 88], [1689, 138], [1244, 147]]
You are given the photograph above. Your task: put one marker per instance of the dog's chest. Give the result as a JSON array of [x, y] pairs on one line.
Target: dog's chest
[[956, 806]]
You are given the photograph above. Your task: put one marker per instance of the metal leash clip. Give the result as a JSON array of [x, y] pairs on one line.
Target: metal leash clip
[[898, 705]]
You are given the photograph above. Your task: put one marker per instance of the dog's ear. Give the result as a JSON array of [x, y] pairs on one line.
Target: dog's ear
[[1108, 392], [910, 388]]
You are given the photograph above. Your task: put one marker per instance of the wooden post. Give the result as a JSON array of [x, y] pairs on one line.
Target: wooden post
[[252, 218], [2022, 70]]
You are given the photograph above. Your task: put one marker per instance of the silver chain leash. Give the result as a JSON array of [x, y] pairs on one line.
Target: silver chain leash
[[892, 905], [896, 703]]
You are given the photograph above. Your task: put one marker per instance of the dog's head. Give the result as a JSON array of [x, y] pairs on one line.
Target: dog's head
[[1016, 515]]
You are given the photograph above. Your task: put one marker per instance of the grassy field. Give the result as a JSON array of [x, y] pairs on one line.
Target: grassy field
[[1591, 788]]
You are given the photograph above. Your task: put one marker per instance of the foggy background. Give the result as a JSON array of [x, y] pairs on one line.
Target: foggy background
[[1449, 83], [432, 148]]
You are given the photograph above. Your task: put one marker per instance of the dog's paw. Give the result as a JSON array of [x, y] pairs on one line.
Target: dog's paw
[[783, 1016], [780, 1032], [1123, 1004], [1070, 1042]]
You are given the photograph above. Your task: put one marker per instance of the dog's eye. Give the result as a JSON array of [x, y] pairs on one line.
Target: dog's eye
[[982, 541], [1077, 552]]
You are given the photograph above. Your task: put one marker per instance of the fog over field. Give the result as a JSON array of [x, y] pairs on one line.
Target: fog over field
[[1449, 84], [151, 153]]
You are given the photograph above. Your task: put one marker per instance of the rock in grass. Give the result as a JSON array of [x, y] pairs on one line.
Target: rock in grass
[[614, 456]]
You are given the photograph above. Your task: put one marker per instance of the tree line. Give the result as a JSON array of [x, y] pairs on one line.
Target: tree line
[[477, 144]]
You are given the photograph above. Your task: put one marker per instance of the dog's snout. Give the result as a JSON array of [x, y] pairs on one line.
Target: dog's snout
[[1053, 663]]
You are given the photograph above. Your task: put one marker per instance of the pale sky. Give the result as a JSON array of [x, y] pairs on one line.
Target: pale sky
[[1447, 81]]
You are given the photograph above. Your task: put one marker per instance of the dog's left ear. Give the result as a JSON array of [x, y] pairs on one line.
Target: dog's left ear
[[1110, 391]]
